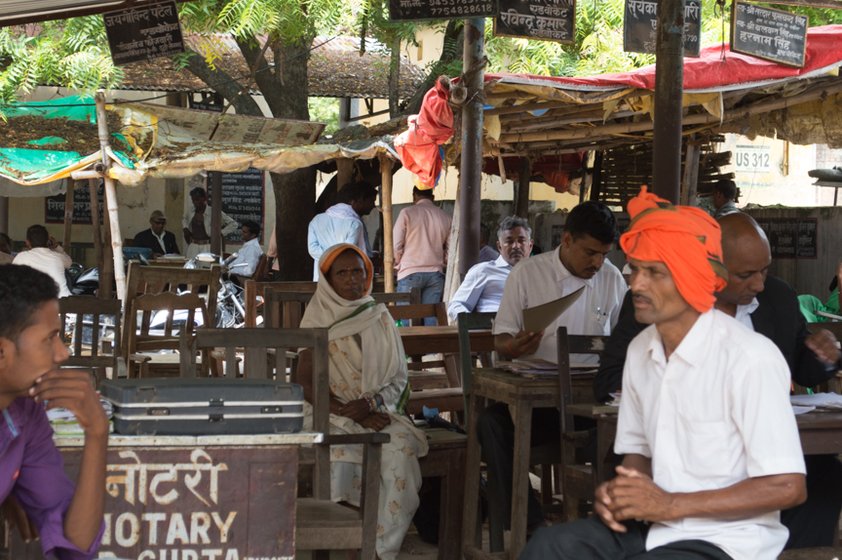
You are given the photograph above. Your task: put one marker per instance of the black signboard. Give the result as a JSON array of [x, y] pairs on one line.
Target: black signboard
[[441, 9], [791, 238], [771, 34], [640, 25], [206, 101], [537, 19], [54, 206], [242, 197], [143, 33]]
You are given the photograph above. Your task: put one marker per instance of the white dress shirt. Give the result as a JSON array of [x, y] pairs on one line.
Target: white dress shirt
[[710, 419], [541, 279], [248, 255], [481, 290], [50, 262]]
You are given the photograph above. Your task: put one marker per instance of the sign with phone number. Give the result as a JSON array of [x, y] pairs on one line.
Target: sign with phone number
[[441, 9]]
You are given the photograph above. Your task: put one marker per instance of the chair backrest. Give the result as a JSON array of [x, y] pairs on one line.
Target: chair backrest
[[265, 352], [141, 337], [255, 290], [90, 343], [572, 344], [395, 298], [143, 280], [417, 311], [261, 269], [284, 310], [468, 322]]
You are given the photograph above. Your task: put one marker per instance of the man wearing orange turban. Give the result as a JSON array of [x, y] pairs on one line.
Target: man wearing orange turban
[[710, 443]]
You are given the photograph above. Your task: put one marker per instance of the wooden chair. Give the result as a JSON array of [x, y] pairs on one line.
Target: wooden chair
[[321, 524], [578, 480], [88, 348], [284, 310], [469, 353], [159, 279], [262, 269], [142, 342], [255, 291], [416, 312], [252, 353]]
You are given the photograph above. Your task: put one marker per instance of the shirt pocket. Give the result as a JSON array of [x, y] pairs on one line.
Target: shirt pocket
[[703, 447]]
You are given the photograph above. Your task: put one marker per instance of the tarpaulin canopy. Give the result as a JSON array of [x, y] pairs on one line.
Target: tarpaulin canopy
[[46, 141], [542, 117]]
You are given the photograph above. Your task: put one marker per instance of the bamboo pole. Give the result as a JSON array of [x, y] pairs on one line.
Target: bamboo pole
[[386, 207], [68, 214], [96, 226], [111, 199]]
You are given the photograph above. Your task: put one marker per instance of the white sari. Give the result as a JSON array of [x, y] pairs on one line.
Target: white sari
[[366, 355]]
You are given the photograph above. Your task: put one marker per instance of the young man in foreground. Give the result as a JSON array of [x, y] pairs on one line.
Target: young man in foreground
[[710, 442], [68, 520]]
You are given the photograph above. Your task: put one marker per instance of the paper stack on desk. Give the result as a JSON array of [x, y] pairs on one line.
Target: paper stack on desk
[[533, 366], [831, 401]]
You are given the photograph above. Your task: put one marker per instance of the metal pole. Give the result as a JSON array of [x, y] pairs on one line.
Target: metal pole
[[669, 77], [386, 207], [522, 191], [470, 172], [111, 199]]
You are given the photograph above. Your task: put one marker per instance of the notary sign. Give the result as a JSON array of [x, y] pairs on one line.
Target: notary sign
[[552, 20], [143, 33], [640, 26], [771, 34], [441, 9]]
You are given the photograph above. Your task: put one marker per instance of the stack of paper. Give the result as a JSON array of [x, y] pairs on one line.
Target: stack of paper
[[531, 366], [818, 400]]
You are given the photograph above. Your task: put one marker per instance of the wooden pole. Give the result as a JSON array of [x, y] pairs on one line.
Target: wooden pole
[[470, 173], [691, 172], [216, 213], [522, 188], [111, 200], [68, 214], [386, 207], [97, 236], [669, 76]]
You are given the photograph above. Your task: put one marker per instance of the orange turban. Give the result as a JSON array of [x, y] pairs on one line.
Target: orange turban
[[686, 239]]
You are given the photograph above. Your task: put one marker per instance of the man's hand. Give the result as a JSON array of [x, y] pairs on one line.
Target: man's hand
[[602, 507], [375, 421], [357, 410], [633, 495], [72, 389], [523, 343], [824, 345], [188, 236]]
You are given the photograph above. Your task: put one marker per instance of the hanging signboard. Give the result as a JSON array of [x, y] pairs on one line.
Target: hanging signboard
[[791, 238], [640, 25], [552, 20], [441, 9], [143, 33], [770, 34], [54, 206], [242, 197]]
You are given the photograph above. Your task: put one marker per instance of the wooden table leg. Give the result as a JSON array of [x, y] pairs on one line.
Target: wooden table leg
[[471, 536], [522, 419], [452, 484]]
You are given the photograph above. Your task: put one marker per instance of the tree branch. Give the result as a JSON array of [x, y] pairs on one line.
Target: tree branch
[[229, 88]]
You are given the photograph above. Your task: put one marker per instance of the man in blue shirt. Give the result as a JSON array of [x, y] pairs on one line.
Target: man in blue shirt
[[342, 222], [482, 288]]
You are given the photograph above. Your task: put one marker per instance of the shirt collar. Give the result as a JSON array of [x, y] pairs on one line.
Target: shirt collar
[[500, 262], [694, 348], [423, 201], [746, 310]]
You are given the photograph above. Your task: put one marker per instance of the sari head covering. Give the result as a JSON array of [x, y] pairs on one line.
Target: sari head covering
[[383, 367], [686, 239]]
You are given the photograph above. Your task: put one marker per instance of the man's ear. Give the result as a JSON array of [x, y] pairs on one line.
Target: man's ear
[[6, 351]]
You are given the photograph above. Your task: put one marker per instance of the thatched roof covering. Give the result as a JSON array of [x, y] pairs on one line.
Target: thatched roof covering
[[336, 68]]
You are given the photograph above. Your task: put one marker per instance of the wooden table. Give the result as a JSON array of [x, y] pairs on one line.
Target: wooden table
[[194, 497], [442, 339], [521, 393], [820, 433]]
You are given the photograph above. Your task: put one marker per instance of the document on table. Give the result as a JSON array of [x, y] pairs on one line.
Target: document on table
[[538, 318], [818, 400], [534, 366]]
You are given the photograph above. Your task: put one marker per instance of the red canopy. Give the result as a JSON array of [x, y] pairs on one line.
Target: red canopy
[[717, 68]]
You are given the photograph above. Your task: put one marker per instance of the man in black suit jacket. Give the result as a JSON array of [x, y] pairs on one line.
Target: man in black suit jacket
[[771, 306], [155, 238]]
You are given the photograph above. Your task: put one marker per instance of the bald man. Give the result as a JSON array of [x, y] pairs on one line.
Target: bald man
[[768, 306]]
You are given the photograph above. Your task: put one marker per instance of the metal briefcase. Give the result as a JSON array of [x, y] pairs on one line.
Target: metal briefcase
[[204, 406]]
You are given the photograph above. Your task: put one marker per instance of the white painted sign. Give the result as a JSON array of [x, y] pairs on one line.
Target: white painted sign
[[748, 157]]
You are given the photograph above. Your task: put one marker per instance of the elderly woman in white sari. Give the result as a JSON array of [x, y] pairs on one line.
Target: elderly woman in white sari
[[368, 382]]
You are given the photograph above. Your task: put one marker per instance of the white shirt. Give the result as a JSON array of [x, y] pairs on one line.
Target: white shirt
[[482, 288], [49, 262], [743, 314], [249, 255], [708, 420], [541, 279], [339, 224]]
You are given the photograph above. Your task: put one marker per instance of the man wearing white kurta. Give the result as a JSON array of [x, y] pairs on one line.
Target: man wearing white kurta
[[710, 442]]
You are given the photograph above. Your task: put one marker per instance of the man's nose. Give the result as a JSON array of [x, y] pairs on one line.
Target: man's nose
[[60, 351], [757, 284]]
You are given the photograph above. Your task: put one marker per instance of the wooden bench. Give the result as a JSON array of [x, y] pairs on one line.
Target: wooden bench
[[446, 460]]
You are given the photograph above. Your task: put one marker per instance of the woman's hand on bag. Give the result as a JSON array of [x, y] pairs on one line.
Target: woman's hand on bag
[[375, 421], [357, 410]]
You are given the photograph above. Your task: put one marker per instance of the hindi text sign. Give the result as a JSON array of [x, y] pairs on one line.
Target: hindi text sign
[[640, 25], [144, 33], [770, 34], [552, 20], [441, 9]]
